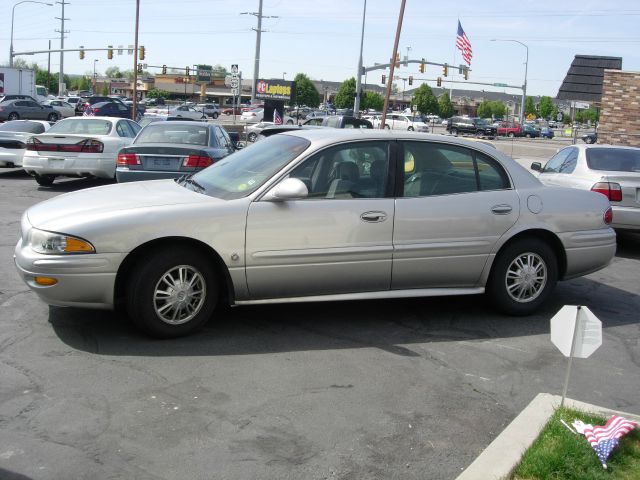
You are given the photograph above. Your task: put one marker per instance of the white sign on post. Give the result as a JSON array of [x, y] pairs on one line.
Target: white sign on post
[[577, 332], [588, 336]]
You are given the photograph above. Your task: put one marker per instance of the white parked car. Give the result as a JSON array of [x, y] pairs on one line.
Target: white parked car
[[65, 109], [256, 115], [78, 147], [400, 121], [13, 139], [187, 111]]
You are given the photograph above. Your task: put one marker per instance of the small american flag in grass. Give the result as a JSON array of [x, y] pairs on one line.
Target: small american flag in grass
[[605, 438]]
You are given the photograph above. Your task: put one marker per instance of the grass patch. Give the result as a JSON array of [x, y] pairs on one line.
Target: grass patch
[[558, 454]]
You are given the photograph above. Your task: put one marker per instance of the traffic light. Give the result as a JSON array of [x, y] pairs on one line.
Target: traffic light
[[397, 60], [445, 70], [439, 81], [410, 80], [466, 74], [139, 68], [141, 53], [384, 79], [164, 69], [81, 52], [421, 68], [110, 52], [187, 70]]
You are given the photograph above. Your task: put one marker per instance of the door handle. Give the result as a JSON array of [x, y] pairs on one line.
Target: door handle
[[374, 217], [501, 209]]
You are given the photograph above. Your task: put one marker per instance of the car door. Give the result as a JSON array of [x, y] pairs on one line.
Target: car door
[[455, 204], [338, 239]]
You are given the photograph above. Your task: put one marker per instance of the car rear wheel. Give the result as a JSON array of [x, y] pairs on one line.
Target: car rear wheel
[[53, 117], [586, 140], [252, 137], [410, 129], [44, 180], [528, 135], [454, 131], [511, 134], [523, 276], [215, 115], [289, 122], [172, 293], [13, 116]]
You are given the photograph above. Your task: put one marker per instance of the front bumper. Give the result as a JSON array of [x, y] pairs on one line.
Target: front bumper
[[83, 280], [84, 165]]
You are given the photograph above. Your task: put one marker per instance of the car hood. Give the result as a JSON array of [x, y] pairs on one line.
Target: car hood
[[110, 201]]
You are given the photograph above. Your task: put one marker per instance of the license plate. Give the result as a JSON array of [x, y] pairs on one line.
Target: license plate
[[56, 162], [161, 162]]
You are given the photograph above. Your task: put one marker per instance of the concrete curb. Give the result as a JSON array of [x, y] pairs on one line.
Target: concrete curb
[[503, 454]]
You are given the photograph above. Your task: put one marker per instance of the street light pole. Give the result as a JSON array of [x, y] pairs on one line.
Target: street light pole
[[13, 11], [356, 103], [94, 75], [526, 66], [283, 74]]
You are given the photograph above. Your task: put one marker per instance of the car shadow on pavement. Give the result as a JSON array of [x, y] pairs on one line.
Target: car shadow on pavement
[[72, 184], [390, 325], [628, 245]]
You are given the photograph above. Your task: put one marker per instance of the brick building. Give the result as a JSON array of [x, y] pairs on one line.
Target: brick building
[[620, 113]]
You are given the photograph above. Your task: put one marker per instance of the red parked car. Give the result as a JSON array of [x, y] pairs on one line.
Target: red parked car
[[506, 129], [230, 111]]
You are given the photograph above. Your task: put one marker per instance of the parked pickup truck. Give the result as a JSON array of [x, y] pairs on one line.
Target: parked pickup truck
[[509, 129]]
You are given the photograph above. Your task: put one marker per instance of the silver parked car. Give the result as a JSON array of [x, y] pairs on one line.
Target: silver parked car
[[313, 215], [606, 169]]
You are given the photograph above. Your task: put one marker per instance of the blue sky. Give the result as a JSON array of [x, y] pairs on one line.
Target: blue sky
[[321, 38]]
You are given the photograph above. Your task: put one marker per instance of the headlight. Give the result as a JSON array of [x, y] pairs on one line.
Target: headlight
[[50, 243]]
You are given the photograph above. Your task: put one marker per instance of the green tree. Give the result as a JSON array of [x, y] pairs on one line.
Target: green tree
[[372, 100], [345, 95], [104, 90], [113, 72], [306, 91], [485, 110], [498, 109], [530, 107], [155, 93], [591, 114], [425, 100], [545, 107], [219, 71], [445, 106], [49, 80]]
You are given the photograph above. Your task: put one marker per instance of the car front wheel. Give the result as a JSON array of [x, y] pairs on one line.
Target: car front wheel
[[215, 115], [13, 116], [523, 276], [454, 131], [172, 293], [53, 117]]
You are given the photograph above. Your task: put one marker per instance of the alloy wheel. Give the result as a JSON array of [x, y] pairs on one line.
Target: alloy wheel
[[179, 294], [526, 277]]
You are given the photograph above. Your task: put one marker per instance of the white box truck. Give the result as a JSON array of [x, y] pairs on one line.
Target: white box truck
[[21, 81]]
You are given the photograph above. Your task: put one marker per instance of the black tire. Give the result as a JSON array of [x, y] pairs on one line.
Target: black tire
[[13, 116], [535, 256], [53, 117], [410, 129], [454, 131], [44, 180], [289, 122], [528, 135], [588, 140], [152, 278], [511, 134], [252, 137]]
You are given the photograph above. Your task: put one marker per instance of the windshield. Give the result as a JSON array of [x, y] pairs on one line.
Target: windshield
[[173, 133], [614, 159], [481, 121], [29, 127], [82, 126], [245, 171]]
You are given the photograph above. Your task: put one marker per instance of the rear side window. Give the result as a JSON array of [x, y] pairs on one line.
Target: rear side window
[[614, 159]]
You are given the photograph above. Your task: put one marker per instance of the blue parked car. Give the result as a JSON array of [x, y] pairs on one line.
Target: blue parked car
[[546, 132]]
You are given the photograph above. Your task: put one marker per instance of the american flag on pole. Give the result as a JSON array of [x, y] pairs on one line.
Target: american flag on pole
[[277, 119], [605, 438], [464, 45]]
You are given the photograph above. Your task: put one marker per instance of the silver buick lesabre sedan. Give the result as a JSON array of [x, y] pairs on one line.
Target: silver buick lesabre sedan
[[316, 215]]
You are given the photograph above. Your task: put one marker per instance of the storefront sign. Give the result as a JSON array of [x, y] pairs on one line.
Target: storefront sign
[[274, 89]]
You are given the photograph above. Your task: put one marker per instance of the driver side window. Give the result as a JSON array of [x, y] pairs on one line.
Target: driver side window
[[356, 170]]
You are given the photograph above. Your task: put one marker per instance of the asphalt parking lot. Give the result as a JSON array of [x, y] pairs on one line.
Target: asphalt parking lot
[[397, 389]]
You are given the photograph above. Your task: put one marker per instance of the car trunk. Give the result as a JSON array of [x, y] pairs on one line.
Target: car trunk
[[167, 158], [65, 145], [629, 183]]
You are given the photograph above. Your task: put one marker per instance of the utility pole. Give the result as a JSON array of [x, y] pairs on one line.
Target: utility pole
[[49, 64], [392, 64], [61, 85], [134, 107], [256, 64]]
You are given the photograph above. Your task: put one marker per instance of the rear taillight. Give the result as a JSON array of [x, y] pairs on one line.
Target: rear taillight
[[608, 216], [126, 159], [197, 161], [85, 146], [92, 146], [95, 110], [32, 144], [611, 190]]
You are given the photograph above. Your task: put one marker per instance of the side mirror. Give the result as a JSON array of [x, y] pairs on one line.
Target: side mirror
[[288, 189], [537, 166]]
